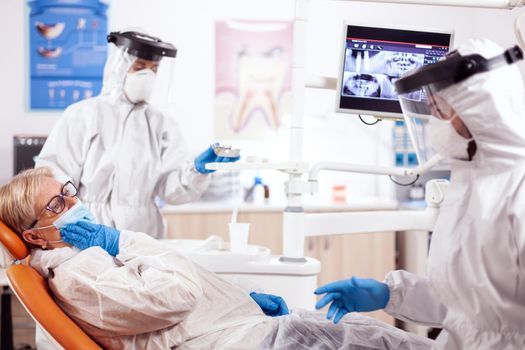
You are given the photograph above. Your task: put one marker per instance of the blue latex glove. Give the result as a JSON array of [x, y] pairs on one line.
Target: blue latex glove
[[355, 294], [271, 305], [84, 234], [209, 156]]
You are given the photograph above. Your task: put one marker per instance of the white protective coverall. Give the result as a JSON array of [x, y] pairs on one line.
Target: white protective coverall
[[151, 297], [121, 156], [475, 284]]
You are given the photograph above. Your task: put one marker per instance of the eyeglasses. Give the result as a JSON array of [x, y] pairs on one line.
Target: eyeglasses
[[57, 203]]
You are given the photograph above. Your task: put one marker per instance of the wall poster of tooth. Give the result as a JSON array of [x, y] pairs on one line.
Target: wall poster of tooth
[[252, 77], [67, 51]]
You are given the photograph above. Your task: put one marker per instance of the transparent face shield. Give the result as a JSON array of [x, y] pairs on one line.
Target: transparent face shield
[[418, 91], [418, 107], [140, 67]]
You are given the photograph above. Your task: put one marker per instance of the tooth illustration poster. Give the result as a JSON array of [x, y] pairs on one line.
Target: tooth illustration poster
[[252, 77], [67, 51]]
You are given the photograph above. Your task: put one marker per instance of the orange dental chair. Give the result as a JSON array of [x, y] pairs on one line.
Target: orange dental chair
[[33, 292]]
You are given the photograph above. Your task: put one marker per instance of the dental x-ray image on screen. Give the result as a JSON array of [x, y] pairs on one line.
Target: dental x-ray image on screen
[[374, 58], [373, 73]]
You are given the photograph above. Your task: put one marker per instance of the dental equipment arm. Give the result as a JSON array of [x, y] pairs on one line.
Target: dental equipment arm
[[373, 169], [498, 4], [297, 225]]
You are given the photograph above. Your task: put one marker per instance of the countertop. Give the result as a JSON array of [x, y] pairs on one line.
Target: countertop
[[357, 204]]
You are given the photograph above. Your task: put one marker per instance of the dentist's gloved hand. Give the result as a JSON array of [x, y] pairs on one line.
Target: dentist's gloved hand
[[271, 305], [84, 234], [355, 294], [209, 156]]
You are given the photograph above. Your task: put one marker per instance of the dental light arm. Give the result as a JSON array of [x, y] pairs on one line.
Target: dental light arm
[[373, 169], [499, 4]]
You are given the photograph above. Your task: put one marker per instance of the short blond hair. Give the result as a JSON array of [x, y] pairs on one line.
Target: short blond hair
[[17, 198]]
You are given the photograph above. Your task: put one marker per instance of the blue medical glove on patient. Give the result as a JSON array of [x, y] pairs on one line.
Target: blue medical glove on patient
[[271, 305], [209, 156], [84, 234], [354, 294]]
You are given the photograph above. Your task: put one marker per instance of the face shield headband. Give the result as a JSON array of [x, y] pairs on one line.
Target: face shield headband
[[454, 69], [142, 46], [418, 91]]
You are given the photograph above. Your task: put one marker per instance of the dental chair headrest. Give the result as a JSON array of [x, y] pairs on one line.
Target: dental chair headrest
[[14, 245]]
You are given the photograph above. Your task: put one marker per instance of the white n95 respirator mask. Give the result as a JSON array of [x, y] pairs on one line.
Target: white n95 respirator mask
[[139, 85], [445, 140]]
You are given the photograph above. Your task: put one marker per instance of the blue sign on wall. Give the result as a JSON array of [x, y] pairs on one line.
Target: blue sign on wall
[[68, 49], [405, 155]]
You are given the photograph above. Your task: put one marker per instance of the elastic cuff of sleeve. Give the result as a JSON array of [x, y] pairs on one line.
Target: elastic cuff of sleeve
[[124, 237], [395, 294], [195, 171]]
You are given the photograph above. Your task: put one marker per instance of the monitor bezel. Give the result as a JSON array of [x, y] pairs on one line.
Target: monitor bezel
[[342, 56]]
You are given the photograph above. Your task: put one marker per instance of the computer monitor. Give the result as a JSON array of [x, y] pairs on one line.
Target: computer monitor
[[374, 57], [25, 149]]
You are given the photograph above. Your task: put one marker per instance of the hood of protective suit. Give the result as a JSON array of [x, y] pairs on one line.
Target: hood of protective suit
[[491, 105]]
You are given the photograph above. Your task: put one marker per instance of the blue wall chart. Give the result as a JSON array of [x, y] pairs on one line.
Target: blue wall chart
[[68, 50]]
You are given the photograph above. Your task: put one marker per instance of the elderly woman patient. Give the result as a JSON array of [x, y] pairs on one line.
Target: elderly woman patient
[[130, 291]]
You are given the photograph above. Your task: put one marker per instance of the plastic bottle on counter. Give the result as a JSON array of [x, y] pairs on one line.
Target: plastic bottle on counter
[[255, 193], [266, 194], [258, 191]]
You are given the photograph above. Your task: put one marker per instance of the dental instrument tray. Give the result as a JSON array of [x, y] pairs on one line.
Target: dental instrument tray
[[225, 151]]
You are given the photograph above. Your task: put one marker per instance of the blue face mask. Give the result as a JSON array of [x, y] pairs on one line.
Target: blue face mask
[[78, 212]]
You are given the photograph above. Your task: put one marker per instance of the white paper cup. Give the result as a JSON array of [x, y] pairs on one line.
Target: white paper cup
[[239, 237]]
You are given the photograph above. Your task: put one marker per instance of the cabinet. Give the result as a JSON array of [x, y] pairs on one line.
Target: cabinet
[[265, 227], [363, 255], [413, 251], [342, 256]]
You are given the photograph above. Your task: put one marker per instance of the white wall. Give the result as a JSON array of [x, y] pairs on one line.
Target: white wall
[[189, 24]]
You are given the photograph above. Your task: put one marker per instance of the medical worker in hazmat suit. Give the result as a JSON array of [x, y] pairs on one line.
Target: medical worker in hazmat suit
[[121, 150], [474, 288]]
